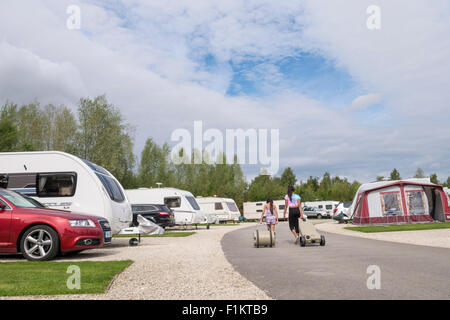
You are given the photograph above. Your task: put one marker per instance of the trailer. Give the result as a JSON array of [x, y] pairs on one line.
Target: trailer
[[183, 204], [253, 210], [63, 181], [222, 209]]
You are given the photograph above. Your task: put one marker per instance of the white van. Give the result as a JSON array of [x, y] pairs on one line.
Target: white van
[[62, 181], [225, 209], [186, 210], [327, 206]]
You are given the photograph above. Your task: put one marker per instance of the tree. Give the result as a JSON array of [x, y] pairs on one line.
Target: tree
[[395, 175], [434, 178], [8, 130], [419, 173], [380, 178], [288, 177], [154, 165], [104, 138]]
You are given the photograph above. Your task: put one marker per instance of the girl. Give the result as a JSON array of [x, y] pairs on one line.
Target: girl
[[292, 200], [271, 214]]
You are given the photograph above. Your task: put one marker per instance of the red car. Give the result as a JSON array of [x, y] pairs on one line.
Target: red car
[[41, 233]]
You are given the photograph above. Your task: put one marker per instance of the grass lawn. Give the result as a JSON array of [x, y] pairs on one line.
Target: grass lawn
[[166, 234], [49, 277], [402, 227]]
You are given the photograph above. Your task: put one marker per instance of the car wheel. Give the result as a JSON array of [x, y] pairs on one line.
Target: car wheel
[[319, 216], [39, 243]]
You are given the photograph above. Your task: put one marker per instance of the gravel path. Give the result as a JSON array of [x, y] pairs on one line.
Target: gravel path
[[433, 238], [182, 268]]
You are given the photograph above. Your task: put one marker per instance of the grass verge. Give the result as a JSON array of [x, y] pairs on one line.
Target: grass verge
[[50, 278], [402, 227], [166, 234]]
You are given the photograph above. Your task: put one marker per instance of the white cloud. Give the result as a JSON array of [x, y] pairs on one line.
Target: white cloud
[[148, 61], [365, 101]]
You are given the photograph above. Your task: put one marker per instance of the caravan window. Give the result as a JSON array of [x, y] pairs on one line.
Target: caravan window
[[56, 184], [329, 206], [193, 203], [391, 203], [415, 201], [112, 187], [320, 206], [218, 206], [232, 206], [172, 202], [281, 206]]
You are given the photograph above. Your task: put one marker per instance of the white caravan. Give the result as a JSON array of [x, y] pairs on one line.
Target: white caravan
[[224, 209], [186, 210], [253, 210], [62, 181], [328, 205]]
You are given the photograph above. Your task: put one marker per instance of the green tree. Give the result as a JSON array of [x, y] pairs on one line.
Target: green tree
[[380, 178], [288, 177], [419, 173], [8, 130], [395, 175], [104, 138], [434, 178]]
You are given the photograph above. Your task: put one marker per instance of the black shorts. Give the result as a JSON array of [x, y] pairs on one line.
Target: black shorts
[[294, 215]]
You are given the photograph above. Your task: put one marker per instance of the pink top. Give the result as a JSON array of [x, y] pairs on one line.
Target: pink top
[[295, 199]]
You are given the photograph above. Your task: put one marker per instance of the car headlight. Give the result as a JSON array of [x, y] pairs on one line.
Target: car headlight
[[83, 223]]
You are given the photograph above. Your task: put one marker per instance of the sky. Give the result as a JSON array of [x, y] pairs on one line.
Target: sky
[[346, 99]]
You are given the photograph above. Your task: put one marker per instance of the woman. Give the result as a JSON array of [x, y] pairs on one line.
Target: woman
[[292, 200], [271, 214]]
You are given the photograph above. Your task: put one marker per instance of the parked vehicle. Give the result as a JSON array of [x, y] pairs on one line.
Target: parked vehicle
[[312, 212], [253, 210], [156, 213], [342, 207], [41, 233], [222, 209], [183, 204], [325, 205], [66, 182]]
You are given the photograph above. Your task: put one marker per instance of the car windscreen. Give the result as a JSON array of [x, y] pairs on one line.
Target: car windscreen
[[232, 206], [17, 199], [193, 203]]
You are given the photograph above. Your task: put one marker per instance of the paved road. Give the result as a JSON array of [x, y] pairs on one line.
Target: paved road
[[339, 270]]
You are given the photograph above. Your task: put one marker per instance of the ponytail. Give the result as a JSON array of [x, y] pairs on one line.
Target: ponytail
[[270, 201], [291, 190]]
